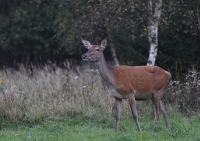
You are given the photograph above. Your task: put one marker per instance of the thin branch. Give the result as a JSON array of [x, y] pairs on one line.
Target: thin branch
[[198, 17], [130, 48]]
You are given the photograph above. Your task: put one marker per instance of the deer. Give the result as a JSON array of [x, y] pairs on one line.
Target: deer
[[131, 83]]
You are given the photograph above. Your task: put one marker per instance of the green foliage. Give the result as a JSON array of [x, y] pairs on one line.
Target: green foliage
[[38, 30], [179, 36], [26, 32], [93, 20]]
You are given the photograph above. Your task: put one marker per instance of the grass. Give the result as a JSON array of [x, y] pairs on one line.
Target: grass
[[64, 105], [82, 129]]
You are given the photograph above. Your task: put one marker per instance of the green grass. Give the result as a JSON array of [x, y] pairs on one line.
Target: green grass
[[87, 129]]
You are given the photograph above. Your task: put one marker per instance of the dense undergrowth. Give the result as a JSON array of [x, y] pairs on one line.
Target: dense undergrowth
[[29, 98]]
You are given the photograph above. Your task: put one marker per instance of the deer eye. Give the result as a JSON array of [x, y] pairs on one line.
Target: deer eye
[[97, 49]]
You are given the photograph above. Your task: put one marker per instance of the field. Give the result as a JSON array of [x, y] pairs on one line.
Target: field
[[44, 104], [102, 129], [77, 129]]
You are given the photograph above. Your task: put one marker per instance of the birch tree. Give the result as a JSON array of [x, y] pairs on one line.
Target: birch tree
[[153, 20]]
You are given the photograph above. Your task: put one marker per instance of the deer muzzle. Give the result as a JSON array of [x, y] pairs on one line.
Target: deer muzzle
[[84, 56]]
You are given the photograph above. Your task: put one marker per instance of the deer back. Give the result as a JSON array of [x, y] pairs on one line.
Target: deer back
[[141, 79]]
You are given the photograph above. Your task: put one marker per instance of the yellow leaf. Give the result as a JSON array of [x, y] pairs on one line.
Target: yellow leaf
[[2, 81]]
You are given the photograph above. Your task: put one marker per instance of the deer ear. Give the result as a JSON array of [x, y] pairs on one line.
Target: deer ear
[[86, 44], [103, 43]]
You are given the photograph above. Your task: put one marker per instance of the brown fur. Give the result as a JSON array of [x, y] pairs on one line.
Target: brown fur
[[133, 83], [141, 79]]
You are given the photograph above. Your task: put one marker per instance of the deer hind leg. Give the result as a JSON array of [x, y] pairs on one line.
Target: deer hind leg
[[132, 102], [157, 111], [164, 111], [118, 104]]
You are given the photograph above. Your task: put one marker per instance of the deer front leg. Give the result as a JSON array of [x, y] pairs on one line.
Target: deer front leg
[[118, 104], [132, 102]]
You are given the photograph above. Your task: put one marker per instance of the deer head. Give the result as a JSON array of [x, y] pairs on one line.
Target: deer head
[[94, 51]]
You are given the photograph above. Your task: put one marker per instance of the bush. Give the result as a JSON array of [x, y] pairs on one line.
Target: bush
[[185, 95]]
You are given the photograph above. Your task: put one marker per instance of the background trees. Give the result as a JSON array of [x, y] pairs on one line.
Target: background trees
[[40, 30]]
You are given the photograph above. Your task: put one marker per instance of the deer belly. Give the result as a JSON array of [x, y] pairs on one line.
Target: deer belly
[[143, 96], [116, 94]]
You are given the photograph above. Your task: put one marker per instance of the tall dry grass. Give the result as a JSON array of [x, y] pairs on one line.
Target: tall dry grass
[[47, 94]]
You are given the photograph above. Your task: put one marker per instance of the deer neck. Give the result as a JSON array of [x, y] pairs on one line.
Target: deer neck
[[105, 71]]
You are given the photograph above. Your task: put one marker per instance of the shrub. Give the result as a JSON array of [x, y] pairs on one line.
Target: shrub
[[185, 95]]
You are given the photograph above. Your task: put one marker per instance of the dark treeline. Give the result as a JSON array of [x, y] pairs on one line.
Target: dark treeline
[[35, 31]]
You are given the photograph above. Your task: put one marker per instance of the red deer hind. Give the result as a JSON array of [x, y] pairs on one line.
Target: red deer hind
[[132, 83]]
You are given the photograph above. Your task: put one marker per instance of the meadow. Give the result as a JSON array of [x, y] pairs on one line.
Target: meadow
[[74, 104]]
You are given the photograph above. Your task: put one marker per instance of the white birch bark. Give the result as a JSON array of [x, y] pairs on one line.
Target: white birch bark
[[153, 30]]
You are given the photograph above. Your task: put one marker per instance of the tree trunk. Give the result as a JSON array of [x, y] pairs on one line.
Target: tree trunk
[[198, 18], [113, 51], [153, 30]]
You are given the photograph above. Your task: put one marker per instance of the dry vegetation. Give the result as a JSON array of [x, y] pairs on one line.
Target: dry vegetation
[[47, 94], [50, 94]]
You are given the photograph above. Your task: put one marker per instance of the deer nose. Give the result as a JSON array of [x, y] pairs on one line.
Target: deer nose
[[84, 56]]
